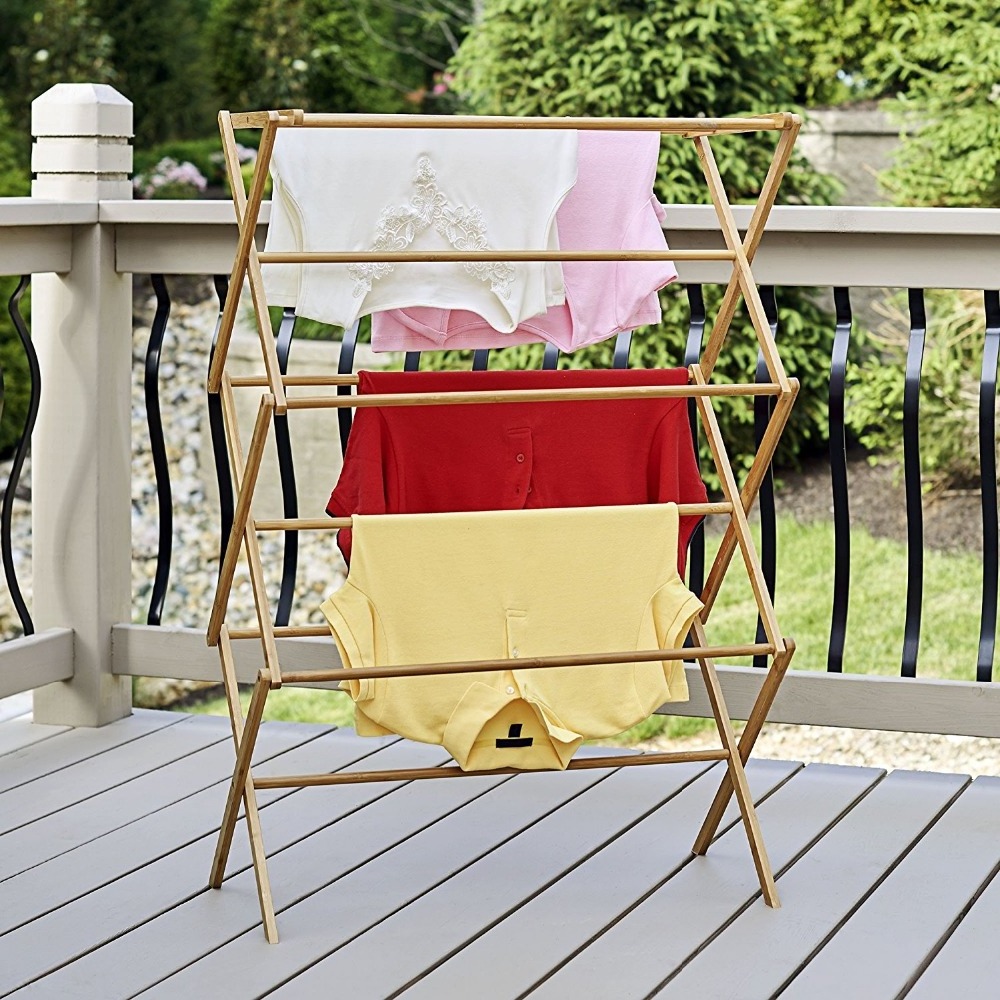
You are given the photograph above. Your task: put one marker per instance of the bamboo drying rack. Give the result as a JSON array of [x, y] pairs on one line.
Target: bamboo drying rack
[[275, 401]]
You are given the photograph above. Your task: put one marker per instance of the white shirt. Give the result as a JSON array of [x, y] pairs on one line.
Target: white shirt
[[418, 189]]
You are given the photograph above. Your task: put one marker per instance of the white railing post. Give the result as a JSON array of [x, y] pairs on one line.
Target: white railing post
[[81, 450]]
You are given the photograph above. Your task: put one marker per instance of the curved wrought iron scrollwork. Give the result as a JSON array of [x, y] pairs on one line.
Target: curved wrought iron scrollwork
[[911, 473], [217, 428], [345, 366], [763, 406], [623, 344], [988, 474], [838, 479], [158, 449], [286, 472], [7, 509], [692, 354]]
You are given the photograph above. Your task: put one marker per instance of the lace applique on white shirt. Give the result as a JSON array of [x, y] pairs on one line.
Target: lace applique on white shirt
[[463, 228]]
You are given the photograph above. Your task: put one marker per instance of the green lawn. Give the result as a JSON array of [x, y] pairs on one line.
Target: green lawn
[[949, 631]]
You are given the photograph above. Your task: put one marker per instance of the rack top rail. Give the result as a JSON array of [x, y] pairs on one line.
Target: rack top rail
[[689, 127]]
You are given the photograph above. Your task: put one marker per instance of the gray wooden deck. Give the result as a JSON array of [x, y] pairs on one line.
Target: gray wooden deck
[[577, 884]]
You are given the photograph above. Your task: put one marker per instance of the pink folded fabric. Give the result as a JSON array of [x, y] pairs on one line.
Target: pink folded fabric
[[611, 207]]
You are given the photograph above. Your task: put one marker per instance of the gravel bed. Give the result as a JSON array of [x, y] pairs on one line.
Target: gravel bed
[[861, 748]]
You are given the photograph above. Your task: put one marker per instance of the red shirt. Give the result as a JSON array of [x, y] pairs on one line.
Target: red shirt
[[505, 456]]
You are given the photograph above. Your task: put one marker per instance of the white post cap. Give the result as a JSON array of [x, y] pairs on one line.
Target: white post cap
[[81, 150], [81, 109]]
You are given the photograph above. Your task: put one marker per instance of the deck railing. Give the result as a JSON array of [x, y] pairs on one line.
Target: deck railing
[[85, 251]]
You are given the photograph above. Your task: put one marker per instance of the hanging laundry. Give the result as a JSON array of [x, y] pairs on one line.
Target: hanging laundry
[[434, 588], [611, 207], [418, 189], [503, 456]]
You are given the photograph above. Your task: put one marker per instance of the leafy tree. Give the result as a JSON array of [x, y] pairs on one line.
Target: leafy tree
[[846, 50], [150, 50], [259, 52], [340, 55], [949, 57], [62, 41], [160, 63], [664, 58]]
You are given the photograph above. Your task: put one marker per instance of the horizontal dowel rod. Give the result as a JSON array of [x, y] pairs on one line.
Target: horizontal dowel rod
[[284, 632], [291, 380], [533, 395], [416, 773], [666, 126], [336, 523], [525, 663], [483, 256]]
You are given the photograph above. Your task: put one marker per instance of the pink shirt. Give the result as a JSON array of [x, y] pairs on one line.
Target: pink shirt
[[611, 207]]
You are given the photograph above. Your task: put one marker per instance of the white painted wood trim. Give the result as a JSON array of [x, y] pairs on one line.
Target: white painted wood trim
[[183, 653], [46, 212], [34, 660], [842, 219], [803, 245], [961, 708], [857, 701], [35, 249]]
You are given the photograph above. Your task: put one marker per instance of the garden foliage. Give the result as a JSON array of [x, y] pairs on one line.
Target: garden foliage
[[949, 389]]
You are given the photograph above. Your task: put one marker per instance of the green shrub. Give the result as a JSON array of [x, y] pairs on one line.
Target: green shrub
[[14, 368], [951, 55], [949, 389]]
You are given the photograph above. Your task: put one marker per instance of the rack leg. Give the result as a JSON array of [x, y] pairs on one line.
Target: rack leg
[[765, 698], [249, 799], [751, 487], [737, 775]]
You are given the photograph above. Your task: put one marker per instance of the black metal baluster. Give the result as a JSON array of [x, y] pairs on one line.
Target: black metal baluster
[[480, 359], [14, 311], [988, 479], [345, 366], [286, 470], [763, 406], [158, 449], [692, 354], [411, 361], [623, 344], [550, 359], [911, 469], [217, 428], [838, 480]]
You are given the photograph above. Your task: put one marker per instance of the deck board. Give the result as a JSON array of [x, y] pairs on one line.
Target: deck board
[[648, 939], [761, 948], [366, 894], [73, 747], [968, 962], [71, 785], [149, 891], [922, 897], [85, 867], [554, 885], [498, 885], [20, 732]]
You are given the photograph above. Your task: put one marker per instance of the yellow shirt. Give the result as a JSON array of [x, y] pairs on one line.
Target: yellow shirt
[[429, 588]]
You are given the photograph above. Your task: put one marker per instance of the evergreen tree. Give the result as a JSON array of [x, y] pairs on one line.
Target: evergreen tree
[[160, 64]]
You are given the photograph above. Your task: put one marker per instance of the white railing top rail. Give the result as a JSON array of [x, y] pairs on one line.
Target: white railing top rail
[[35, 233], [804, 244]]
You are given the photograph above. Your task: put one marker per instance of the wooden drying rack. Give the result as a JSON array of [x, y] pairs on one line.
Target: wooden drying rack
[[275, 401]]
